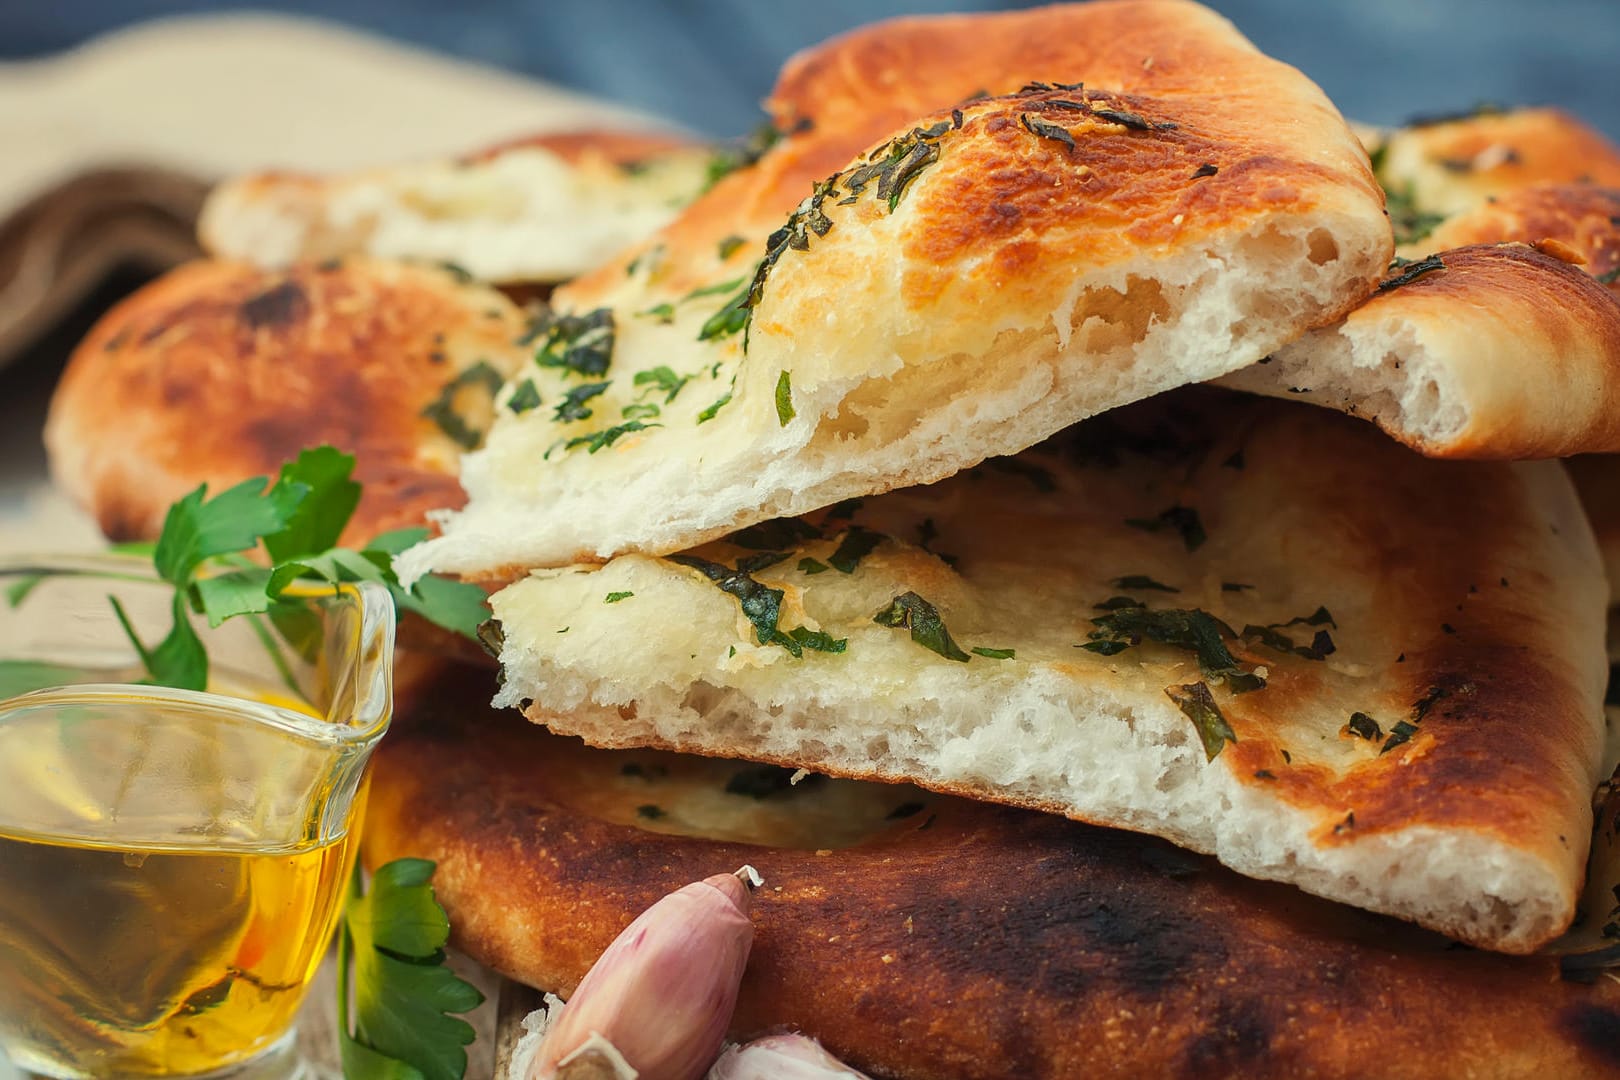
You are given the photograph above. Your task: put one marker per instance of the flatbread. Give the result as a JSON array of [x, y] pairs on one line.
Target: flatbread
[[930, 938], [975, 275], [1454, 165], [220, 371], [1426, 744], [537, 210], [1493, 351], [1497, 352]]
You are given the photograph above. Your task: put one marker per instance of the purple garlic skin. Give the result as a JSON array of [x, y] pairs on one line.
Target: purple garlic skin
[[664, 991], [781, 1057]]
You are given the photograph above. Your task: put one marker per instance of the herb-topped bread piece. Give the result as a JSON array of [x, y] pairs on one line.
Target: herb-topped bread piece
[[535, 211], [1259, 630], [1475, 345], [219, 371], [923, 936], [976, 273]]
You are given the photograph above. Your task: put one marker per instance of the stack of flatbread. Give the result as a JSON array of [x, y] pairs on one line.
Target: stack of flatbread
[[886, 459]]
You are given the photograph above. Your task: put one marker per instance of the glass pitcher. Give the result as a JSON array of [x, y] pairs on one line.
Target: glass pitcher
[[172, 862]]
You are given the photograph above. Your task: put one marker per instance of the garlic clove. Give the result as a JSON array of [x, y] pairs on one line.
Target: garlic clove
[[663, 993]]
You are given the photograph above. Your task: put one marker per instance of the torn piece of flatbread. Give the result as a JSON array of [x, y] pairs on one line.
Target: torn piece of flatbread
[[1084, 628], [923, 936], [1489, 351], [967, 282], [1502, 353], [220, 371], [533, 211]]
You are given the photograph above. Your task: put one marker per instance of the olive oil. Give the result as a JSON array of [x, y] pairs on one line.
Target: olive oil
[[169, 881], [157, 961]]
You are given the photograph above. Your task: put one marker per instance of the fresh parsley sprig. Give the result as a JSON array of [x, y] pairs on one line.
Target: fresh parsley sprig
[[392, 943], [203, 551]]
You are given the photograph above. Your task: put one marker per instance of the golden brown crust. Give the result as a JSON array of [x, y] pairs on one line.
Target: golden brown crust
[[220, 371], [1048, 253], [956, 940], [1584, 218], [1465, 600], [1456, 165]]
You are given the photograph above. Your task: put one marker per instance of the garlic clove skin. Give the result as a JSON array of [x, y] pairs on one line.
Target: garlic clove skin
[[782, 1057], [663, 993]]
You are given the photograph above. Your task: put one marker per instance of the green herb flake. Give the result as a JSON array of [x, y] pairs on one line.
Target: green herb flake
[[600, 440], [615, 597], [858, 542], [784, 399], [1141, 581], [729, 245], [812, 566], [714, 290], [578, 344], [713, 410], [663, 380], [732, 317], [761, 604], [818, 640], [524, 397], [1400, 734], [442, 409], [573, 407], [994, 654], [1412, 272], [1609, 277], [1180, 519], [1363, 726], [664, 313], [1191, 629], [910, 611], [1195, 700], [1046, 129], [640, 410]]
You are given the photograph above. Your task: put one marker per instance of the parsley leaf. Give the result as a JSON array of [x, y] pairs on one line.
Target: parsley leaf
[[296, 519], [912, 612], [392, 944], [662, 379], [580, 344], [317, 520], [573, 407], [524, 397], [1195, 700], [1195, 630], [784, 400]]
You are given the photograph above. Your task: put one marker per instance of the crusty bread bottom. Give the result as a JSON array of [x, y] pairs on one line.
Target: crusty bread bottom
[[1089, 756]]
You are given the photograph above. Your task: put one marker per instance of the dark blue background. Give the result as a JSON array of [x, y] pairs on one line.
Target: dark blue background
[[706, 63]]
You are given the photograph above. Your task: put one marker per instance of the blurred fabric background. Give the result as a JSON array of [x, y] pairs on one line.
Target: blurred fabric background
[[706, 63]]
